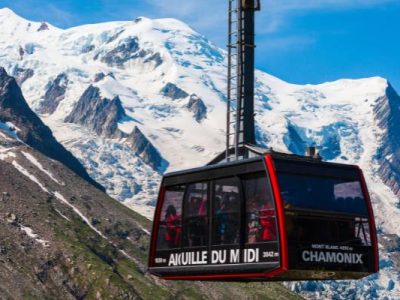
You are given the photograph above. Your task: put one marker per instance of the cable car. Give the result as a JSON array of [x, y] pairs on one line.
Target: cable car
[[254, 214], [271, 217]]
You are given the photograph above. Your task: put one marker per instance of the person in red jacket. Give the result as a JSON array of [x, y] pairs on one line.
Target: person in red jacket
[[173, 225], [267, 222]]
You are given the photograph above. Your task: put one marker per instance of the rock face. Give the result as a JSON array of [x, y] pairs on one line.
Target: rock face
[[172, 91], [387, 114], [30, 129], [197, 106], [127, 50], [102, 115], [155, 58], [98, 114], [21, 53], [99, 76], [43, 27], [54, 95], [21, 75], [143, 148]]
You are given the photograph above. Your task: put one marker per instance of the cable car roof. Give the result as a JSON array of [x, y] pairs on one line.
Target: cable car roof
[[258, 154]]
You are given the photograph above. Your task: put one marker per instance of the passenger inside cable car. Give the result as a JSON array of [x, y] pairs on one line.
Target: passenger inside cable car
[[195, 215], [170, 223], [260, 209]]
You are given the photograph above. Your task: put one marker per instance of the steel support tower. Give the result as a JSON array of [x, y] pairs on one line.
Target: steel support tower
[[240, 94]]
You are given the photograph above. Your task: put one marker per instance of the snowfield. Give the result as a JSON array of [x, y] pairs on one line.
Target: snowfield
[[155, 67]]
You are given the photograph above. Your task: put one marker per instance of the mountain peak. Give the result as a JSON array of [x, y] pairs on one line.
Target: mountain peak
[[172, 24], [6, 12]]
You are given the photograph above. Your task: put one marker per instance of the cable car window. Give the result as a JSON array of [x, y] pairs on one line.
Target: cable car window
[[169, 236], [324, 210], [195, 231], [322, 193], [226, 212], [260, 210]]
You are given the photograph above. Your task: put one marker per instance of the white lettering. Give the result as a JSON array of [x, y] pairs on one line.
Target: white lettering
[[339, 257], [187, 258], [251, 255], [172, 261], [358, 258], [234, 257], [314, 256], [218, 256], [222, 257], [204, 257], [331, 257], [306, 255]]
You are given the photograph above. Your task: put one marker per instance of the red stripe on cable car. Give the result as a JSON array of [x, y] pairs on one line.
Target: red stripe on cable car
[[280, 212], [156, 224], [371, 221]]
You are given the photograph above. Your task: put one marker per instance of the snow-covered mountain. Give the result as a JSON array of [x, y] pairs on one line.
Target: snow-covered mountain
[[134, 99]]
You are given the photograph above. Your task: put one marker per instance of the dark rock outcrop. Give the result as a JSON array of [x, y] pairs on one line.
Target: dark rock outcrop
[[21, 53], [145, 149], [31, 130], [155, 58], [55, 93], [43, 27], [98, 114], [172, 91], [294, 141], [21, 75], [127, 50], [100, 76], [197, 106], [387, 114]]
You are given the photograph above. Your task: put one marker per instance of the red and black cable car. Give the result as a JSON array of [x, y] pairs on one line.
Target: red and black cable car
[[255, 214], [272, 217]]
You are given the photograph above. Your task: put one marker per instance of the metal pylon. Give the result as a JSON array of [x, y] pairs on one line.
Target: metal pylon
[[240, 88]]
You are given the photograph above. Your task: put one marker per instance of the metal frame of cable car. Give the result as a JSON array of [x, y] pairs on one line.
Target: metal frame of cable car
[[284, 261]]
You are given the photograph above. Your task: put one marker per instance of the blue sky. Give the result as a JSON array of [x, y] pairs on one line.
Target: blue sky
[[300, 41]]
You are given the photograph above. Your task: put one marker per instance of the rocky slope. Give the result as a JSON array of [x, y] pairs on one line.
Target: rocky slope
[[171, 84], [62, 238]]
